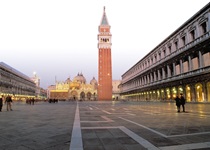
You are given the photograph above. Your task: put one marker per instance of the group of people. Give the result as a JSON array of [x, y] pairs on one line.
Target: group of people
[[180, 101], [30, 101], [8, 102]]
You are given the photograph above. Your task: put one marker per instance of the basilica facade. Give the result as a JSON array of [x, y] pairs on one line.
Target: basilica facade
[[76, 89]]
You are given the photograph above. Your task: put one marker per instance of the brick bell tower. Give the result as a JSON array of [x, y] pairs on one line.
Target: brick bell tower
[[104, 60]]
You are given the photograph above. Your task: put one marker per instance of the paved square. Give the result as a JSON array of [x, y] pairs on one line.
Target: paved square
[[105, 126]]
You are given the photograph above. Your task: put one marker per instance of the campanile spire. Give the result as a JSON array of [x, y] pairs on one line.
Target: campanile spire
[[104, 60]]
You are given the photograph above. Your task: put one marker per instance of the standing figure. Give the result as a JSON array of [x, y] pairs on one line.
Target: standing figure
[[182, 99], [8, 101], [33, 101], [1, 102], [178, 103]]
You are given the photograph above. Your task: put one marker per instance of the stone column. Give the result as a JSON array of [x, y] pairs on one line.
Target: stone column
[[193, 92], [164, 94], [200, 57], [163, 73], [190, 67], [171, 93], [187, 38], [184, 90], [208, 23], [158, 74], [151, 78], [181, 66], [205, 91], [155, 77], [141, 81], [148, 79], [197, 32], [174, 69], [168, 71]]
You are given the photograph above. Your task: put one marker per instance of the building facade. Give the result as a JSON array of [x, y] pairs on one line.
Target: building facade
[[116, 89], [77, 89], [15, 83], [104, 60], [179, 64], [40, 92]]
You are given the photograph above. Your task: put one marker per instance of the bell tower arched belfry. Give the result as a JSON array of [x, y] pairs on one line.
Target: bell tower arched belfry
[[104, 60]]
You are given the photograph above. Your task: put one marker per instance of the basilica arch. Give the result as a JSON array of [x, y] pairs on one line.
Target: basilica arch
[[82, 95], [89, 95], [73, 95]]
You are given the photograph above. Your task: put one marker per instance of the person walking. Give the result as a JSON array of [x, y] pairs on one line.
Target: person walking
[[182, 99], [1, 102], [8, 101], [178, 103]]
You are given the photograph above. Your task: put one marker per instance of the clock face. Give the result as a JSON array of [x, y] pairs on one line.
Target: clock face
[[104, 30]]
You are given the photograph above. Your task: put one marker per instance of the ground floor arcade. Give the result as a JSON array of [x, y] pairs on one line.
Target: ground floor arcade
[[194, 92]]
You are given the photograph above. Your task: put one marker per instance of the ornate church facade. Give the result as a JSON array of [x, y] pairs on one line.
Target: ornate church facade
[[77, 89]]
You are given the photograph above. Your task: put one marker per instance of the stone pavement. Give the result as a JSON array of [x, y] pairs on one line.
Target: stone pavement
[[105, 126]]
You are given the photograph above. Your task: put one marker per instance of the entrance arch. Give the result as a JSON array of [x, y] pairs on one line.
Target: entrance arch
[[168, 94], [180, 90], [188, 95], [74, 95], [89, 96], [82, 95], [199, 92], [208, 91], [174, 92]]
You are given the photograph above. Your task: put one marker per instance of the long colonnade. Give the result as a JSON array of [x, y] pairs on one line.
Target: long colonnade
[[179, 64]]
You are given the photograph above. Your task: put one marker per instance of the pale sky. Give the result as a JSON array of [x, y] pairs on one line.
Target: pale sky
[[59, 37]]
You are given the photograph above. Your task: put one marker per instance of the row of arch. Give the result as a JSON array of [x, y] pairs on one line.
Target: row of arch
[[199, 92], [74, 95]]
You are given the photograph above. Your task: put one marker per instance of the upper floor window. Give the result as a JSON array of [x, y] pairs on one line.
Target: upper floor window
[[159, 55], [164, 53], [169, 49], [192, 35], [183, 40], [176, 45], [203, 28]]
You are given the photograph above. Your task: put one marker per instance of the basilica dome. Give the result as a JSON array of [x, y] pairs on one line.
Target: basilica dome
[[80, 78], [93, 81], [68, 80]]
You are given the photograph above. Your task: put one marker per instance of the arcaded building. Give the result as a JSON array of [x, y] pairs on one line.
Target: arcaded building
[[104, 60], [15, 83], [77, 89], [179, 64]]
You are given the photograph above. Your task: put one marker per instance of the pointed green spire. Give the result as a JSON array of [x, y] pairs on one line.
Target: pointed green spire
[[104, 19]]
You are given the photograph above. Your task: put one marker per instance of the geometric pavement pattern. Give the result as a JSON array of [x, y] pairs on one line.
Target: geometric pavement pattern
[[99, 125]]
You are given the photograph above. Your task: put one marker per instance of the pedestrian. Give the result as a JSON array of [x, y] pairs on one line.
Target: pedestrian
[[182, 99], [33, 101], [1, 102], [8, 101], [178, 103]]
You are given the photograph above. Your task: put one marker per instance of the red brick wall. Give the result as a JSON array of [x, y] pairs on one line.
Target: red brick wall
[[104, 75]]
